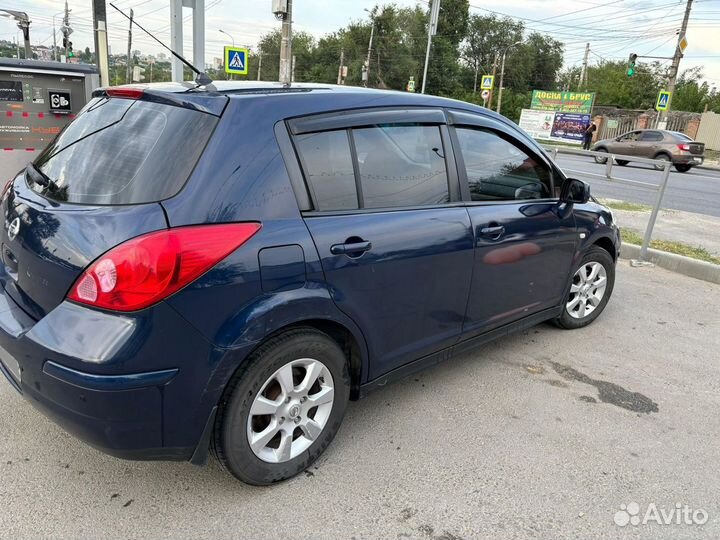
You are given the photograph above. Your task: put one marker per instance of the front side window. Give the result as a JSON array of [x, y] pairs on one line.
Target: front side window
[[497, 170], [401, 166]]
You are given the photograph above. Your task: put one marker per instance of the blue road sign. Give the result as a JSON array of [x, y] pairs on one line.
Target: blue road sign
[[663, 101], [236, 60]]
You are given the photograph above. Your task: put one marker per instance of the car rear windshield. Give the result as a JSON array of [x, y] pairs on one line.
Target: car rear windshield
[[120, 151]]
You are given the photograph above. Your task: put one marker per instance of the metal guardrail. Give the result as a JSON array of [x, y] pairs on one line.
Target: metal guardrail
[[608, 176]]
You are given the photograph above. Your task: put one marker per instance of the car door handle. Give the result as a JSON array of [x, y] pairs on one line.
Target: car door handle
[[353, 248], [493, 232]]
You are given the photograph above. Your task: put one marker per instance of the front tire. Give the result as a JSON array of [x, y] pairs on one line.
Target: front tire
[[601, 160], [661, 157], [590, 289], [282, 409]]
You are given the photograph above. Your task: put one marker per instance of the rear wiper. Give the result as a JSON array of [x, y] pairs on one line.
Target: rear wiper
[[40, 178]]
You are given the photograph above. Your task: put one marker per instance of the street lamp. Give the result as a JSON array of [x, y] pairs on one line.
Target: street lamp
[[227, 76], [502, 74], [228, 35], [23, 23], [366, 71]]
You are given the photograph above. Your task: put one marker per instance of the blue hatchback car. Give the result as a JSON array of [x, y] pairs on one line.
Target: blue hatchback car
[[188, 269]]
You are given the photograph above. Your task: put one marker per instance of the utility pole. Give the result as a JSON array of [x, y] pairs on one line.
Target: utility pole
[[492, 90], [101, 41], [583, 73], [366, 67], [432, 30], [292, 70], [286, 45], [66, 30], [129, 54], [672, 75], [259, 65], [502, 75], [476, 76], [340, 69]]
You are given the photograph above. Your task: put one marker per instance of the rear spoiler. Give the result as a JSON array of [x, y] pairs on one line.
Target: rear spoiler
[[209, 103]]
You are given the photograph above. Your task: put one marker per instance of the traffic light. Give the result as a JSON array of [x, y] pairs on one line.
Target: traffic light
[[70, 53], [631, 64], [65, 42]]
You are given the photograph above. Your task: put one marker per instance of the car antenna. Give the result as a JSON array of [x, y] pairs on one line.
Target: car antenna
[[202, 78]]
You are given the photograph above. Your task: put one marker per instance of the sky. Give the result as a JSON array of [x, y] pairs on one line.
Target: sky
[[614, 28]]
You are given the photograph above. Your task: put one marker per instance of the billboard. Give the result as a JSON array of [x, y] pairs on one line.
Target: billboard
[[569, 127], [537, 124], [571, 102], [554, 126]]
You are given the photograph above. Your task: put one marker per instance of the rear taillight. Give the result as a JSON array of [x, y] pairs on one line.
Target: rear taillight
[[684, 146], [149, 268]]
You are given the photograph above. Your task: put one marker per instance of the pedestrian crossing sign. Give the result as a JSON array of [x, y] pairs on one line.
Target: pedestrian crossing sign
[[663, 101], [487, 82], [236, 60]]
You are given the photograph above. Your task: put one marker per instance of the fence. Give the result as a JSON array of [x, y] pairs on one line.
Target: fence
[[616, 122], [609, 164], [709, 130]]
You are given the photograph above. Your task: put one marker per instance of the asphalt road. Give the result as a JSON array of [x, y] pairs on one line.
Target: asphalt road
[[544, 434], [695, 191]]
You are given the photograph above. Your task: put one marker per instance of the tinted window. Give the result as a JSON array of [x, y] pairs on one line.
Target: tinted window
[[649, 136], [681, 136], [401, 166], [328, 166], [124, 152], [499, 170]]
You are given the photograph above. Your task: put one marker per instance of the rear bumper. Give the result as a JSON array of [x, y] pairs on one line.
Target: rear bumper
[[133, 389], [688, 159]]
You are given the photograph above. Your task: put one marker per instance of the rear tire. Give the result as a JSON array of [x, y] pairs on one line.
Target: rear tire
[[683, 168], [621, 162], [601, 160], [586, 301], [280, 384], [661, 157]]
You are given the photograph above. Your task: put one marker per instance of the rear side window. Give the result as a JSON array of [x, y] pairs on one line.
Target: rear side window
[[121, 151], [385, 166], [401, 166], [328, 166], [497, 170]]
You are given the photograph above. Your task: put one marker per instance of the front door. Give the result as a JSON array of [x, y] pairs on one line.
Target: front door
[[524, 246], [395, 244]]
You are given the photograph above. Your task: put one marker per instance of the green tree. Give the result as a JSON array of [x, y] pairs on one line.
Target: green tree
[[487, 37]]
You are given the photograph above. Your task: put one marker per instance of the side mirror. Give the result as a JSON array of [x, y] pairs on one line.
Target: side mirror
[[575, 192]]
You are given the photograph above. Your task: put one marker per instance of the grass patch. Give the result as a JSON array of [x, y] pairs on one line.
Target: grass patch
[[624, 205], [712, 155], [679, 248]]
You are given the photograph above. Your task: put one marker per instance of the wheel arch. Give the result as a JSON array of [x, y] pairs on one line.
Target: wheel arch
[[663, 153], [607, 244]]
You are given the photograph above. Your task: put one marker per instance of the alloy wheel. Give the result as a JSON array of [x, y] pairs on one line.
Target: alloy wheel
[[587, 290], [291, 410]]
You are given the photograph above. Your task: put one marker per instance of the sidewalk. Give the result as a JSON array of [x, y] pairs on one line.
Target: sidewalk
[[695, 230]]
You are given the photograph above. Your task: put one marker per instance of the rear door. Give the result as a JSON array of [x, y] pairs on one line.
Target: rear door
[[96, 185], [649, 143], [396, 243], [524, 246]]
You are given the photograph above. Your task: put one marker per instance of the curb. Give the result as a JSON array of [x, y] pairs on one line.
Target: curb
[[676, 263]]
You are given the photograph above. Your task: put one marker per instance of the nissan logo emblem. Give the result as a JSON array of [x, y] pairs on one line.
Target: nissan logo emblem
[[14, 229]]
